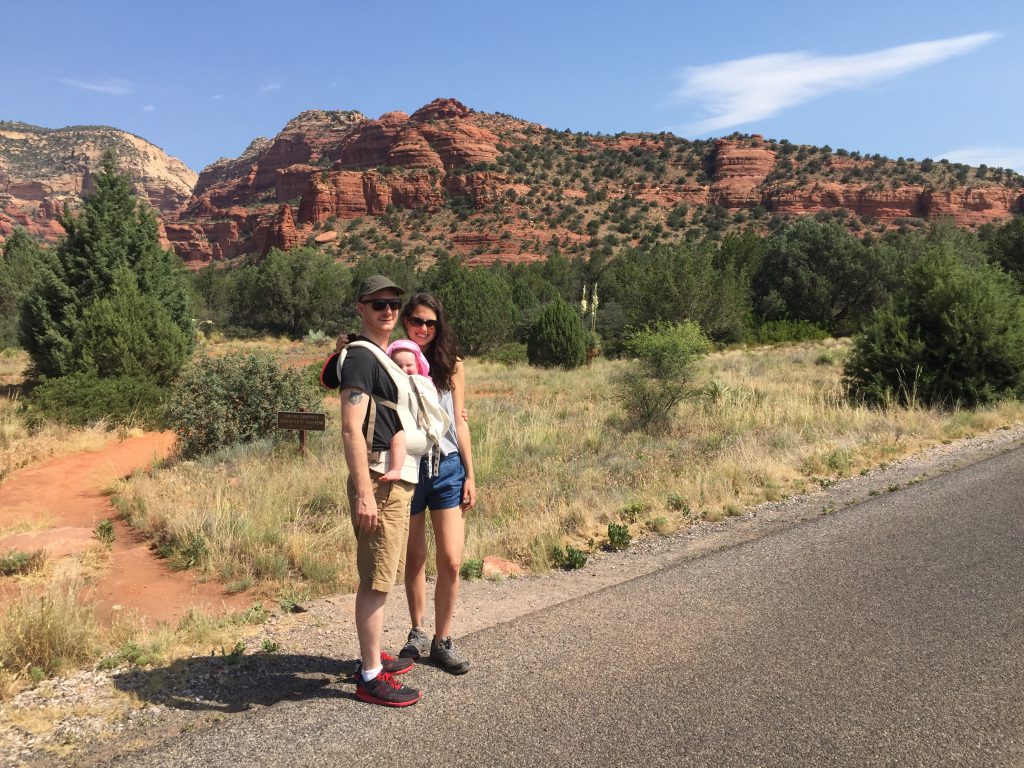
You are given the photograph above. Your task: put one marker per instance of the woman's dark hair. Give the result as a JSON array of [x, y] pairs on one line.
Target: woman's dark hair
[[442, 354]]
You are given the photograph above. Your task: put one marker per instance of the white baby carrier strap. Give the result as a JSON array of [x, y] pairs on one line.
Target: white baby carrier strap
[[417, 417]]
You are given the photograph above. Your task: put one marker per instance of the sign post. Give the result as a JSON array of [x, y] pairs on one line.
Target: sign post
[[302, 420]]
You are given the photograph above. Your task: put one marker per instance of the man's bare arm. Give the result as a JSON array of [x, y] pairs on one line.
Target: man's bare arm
[[354, 404]]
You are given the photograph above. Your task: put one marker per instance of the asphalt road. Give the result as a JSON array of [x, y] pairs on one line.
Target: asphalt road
[[888, 634]]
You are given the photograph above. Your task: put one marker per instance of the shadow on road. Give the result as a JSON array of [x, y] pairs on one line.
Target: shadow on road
[[235, 683]]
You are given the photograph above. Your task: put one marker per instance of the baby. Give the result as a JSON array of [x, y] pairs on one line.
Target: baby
[[410, 359]]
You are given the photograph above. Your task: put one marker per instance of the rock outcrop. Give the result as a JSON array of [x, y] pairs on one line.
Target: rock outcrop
[[739, 173], [339, 166], [488, 187], [41, 169]]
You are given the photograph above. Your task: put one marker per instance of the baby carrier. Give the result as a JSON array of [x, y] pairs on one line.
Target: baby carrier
[[421, 415]]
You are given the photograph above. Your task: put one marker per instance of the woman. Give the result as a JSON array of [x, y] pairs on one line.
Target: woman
[[448, 495]]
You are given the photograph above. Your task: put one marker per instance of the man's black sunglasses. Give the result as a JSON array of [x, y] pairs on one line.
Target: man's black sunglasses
[[419, 322], [379, 305]]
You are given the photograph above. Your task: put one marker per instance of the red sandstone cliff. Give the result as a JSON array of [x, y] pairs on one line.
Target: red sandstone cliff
[[485, 186], [428, 148]]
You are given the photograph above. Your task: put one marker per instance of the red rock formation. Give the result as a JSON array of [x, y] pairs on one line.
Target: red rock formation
[[189, 242], [412, 150], [344, 194], [441, 109], [482, 187], [739, 171], [803, 201], [459, 145], [368, 145], [276, 231], [304, 140], [292, 181], [420, 190], [975, 206]]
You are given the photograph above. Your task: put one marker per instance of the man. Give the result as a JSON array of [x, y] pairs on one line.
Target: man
[[380, 511]]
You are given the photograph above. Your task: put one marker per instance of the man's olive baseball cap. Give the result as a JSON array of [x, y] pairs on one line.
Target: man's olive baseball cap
[[375, 283]]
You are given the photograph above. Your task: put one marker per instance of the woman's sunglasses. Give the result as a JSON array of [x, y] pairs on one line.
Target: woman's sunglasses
[[379, 305], [419, 322]]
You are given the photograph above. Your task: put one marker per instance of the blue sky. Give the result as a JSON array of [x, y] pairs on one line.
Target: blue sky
[[201, 80]]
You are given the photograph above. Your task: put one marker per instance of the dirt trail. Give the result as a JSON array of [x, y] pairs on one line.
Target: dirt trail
[[57, 504]]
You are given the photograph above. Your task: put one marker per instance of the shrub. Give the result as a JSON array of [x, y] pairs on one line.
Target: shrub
[[472, 569], [660, 377], [678, 502], [953, 335], [82, 399], [569, 559], [234, 399], [558, 338], [618, 536], [16, 562], [634, 512], [104, 531]]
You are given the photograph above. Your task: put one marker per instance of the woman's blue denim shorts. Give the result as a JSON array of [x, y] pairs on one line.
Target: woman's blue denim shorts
[[443, 491]]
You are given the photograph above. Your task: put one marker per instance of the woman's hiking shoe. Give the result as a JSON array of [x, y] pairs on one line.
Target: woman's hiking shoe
[[445, 655], [385, 689], [417, 645]]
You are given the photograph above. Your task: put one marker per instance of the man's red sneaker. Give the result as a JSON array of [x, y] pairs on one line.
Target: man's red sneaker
[[385, 689]]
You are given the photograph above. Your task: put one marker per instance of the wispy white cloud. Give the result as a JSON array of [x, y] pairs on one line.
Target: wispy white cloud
[[217, 96], [149, 108], [744, 90], [115, 86], [270, 87], [994, 157]]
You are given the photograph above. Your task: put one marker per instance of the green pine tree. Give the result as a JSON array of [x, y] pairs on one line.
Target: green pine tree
[[558, 338], [18, 261], [111, 234]]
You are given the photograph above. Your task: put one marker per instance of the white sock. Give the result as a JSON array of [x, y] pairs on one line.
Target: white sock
[[369, 674]]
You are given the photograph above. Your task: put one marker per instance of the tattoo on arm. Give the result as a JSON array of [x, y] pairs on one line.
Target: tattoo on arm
[[355, 397]]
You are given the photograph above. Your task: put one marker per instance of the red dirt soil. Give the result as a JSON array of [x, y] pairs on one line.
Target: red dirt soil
[[62, 500]]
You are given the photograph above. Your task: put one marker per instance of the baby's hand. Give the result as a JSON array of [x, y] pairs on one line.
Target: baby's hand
[[343, 340]]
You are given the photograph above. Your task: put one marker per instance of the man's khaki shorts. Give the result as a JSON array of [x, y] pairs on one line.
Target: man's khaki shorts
[[380, 555]]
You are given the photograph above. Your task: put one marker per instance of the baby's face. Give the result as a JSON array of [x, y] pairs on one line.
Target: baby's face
[[406, 360]]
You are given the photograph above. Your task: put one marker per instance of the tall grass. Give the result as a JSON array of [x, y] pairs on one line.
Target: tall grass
[[556, 462], [254, 514], [41, 634], [20, 446], [51, 628]]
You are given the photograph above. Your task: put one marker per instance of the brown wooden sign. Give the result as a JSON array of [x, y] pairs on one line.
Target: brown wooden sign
[[313, 422]]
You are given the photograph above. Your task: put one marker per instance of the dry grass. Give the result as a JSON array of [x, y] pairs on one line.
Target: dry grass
[[20, 446], [50, 628], [43, 633], [555, 464]]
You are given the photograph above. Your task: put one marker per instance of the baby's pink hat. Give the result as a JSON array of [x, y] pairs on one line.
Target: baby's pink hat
[[411, 346]]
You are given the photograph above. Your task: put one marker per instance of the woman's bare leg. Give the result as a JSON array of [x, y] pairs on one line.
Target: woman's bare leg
[[416, 569], [449, 537]]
